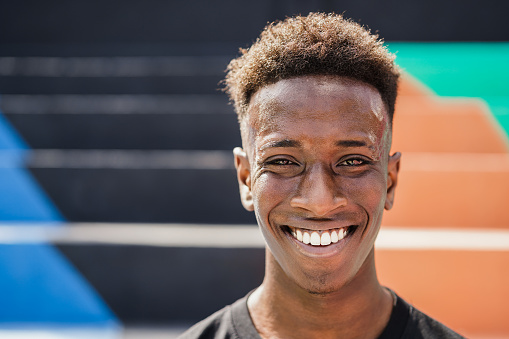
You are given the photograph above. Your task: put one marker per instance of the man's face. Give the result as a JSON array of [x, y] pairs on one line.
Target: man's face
[[317, 172]]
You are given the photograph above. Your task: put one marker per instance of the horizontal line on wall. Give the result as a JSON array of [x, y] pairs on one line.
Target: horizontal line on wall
[[238, 236], [115, 104], [454, 162], [129, 159], [223, 159], [443, 239], [141, 66], [56, 331]]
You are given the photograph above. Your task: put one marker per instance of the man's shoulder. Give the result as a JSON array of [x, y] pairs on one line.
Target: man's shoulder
[[420, 325], [232, 321], [214, 326]]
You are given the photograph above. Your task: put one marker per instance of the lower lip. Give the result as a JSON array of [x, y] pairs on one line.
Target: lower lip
[[321, 251]]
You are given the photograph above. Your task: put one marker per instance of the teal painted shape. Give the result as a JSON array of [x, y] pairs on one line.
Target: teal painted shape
[[500, 108], [38, 286], [475, 69]]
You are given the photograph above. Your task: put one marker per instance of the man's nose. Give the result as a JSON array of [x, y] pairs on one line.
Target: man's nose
[[319, 192]]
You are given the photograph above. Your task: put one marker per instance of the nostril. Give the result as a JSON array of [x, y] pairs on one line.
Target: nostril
[[320, 206], [318, 191]]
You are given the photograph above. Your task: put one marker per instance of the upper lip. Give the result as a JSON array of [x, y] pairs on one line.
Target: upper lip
[[314, 223], [319, 226]]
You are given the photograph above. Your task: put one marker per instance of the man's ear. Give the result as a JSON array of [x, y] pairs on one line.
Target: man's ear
[[392, 178], [244, 178]]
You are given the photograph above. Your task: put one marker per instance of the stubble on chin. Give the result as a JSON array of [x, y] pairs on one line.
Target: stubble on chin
[[320, 285]]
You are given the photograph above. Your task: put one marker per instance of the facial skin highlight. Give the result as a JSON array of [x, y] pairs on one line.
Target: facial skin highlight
[[316, 158]]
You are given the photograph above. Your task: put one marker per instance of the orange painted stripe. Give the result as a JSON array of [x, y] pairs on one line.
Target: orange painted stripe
[[466, 290], [455, 164], [454, 174], [451, 199], [426, 123], [412, 86]]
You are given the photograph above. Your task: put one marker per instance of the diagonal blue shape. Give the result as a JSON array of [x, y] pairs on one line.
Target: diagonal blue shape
[[9, 139], [22, 200], [38, 286]]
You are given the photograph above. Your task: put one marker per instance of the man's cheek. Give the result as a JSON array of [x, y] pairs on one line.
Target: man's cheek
[[366, 191], [261, 192]]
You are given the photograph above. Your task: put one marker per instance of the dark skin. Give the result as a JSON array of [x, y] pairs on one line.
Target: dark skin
[[316, 159]]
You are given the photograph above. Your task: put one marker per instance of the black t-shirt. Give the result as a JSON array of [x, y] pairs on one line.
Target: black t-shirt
[[234, 321]]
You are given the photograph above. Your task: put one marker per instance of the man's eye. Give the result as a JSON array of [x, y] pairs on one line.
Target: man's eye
[[281, 162], [353, 162]]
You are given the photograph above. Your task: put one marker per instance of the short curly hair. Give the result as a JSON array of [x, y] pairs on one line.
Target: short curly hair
[[317, 44]]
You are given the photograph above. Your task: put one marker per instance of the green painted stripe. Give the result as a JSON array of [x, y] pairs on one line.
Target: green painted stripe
[[477, 69]]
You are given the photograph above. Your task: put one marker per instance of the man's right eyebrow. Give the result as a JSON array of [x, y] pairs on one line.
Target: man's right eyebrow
[[282, 143], [351, 143]]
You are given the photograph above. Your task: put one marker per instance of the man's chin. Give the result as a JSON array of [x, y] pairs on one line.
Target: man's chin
[[322, 285]]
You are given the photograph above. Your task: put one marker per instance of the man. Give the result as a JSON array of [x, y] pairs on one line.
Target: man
[[315, 98]]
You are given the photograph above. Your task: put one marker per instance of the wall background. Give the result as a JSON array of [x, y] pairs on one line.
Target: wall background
[[111, 113]]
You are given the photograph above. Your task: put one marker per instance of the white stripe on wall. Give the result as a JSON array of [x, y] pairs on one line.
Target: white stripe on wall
[[238, 236]]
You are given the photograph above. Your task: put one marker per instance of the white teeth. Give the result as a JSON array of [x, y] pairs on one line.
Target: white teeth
[[334, 237], [341, 233], [315, 238], [299, 235], [305, 238], [325, 239], [322, 238]]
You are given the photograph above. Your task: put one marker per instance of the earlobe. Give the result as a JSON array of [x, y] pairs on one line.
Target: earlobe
[[244, 178], [392, 179]]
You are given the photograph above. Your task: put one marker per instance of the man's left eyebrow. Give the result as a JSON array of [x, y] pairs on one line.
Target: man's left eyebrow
[[282, 143]]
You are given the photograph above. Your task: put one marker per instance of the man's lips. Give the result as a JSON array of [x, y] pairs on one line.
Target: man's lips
[[322, 237]]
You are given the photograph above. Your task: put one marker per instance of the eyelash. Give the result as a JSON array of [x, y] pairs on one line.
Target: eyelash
[[348, 164], [353, 162], [279, 162]]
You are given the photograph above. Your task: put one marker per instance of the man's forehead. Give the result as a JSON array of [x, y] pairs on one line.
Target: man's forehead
[[316, 96]]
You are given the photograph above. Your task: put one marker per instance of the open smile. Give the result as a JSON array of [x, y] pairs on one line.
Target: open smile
[[320, 238]]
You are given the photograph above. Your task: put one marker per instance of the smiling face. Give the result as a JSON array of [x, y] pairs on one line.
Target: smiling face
[[317, 172]]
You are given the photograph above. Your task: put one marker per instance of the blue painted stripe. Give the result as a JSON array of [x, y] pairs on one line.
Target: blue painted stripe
[[38, 286], [22, 200], [9, 139]]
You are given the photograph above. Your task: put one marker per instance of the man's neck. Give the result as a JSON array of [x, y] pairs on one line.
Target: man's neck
[[281, 309]]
